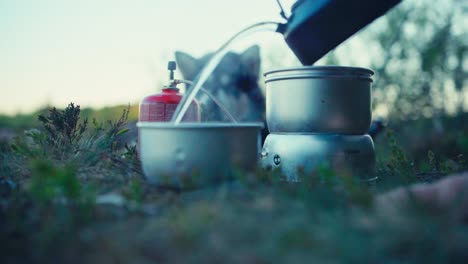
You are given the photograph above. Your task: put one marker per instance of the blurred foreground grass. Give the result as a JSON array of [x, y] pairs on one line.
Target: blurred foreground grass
[[70, 191]]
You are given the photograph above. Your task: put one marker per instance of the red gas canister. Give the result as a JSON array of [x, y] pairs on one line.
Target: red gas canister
[[161, 106]]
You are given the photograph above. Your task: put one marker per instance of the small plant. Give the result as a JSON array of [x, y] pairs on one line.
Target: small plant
[[64, 131], [134, 191], [432, 161], [49, 183], [65, 139], [462, 162], [399, 165]]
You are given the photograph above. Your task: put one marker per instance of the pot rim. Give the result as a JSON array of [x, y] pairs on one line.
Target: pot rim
[[329, 69], [203, 125]]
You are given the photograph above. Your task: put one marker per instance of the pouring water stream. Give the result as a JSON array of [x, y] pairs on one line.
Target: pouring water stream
[[211, 65]]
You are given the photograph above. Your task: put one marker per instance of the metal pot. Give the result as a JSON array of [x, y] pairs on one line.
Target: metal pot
[[293, 154], [193, 154], [322, 99]]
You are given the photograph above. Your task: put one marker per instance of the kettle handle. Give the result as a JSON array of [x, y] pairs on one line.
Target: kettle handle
[[282, 13]]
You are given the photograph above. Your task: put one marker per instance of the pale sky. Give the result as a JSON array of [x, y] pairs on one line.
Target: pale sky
[[104, 52]]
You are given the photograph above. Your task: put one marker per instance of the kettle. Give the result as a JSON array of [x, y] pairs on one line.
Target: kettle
[[317, 26]]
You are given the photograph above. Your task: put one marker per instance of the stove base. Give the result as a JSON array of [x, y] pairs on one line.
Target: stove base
[[296, 154]]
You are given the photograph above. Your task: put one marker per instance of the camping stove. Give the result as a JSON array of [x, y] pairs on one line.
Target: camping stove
[[319, 116]]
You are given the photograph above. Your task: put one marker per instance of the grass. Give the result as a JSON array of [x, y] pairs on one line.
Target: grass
[[51, 179], [19, 122]]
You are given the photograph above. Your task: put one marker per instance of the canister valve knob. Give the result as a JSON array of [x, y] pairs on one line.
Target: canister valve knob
[[171, 66]]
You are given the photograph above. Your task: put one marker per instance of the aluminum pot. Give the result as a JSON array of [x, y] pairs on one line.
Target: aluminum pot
[[293, 154], [190, 155], [322, 99]]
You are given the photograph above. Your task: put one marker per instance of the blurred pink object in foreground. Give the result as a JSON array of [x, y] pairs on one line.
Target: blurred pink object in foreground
[[447, 193]]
